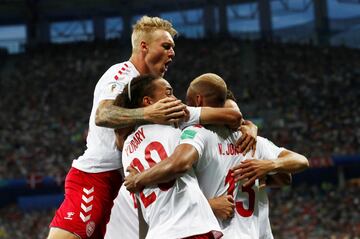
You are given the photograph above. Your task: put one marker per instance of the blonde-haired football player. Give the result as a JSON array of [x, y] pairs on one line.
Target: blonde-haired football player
[[94, 179]]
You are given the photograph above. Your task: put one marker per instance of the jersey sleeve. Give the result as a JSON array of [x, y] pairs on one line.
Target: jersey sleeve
[[193, 135], [267, 150], [194, 113], [113, 84]]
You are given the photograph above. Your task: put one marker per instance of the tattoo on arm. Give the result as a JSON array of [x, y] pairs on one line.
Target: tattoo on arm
[[112, 116]]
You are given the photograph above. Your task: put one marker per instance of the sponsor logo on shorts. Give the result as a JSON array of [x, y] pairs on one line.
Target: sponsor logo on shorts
[[69, 215], [90, 228]]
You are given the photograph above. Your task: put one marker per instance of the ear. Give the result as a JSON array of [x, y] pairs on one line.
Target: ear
[[199, 100], [147, 101], [144, 46]]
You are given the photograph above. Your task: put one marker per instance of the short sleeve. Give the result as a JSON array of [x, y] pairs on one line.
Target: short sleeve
[[194, 113], [112, 83], [193, 135], [267, 150], [111, 89]]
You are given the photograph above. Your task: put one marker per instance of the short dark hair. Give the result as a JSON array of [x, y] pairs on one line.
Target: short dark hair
[[140, 86], [230, 95]]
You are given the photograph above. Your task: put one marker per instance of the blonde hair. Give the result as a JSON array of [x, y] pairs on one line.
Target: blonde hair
[[146, 25]]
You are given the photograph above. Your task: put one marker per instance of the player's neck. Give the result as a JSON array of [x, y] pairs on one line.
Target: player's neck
[[139, 64]]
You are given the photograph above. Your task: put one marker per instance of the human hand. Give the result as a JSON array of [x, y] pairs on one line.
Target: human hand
[[247, 140], [166, 111], [251, 169], [130, 180], [223, 206]]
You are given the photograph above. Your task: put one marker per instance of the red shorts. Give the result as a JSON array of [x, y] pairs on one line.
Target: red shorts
[[209, 235], [89, 197]]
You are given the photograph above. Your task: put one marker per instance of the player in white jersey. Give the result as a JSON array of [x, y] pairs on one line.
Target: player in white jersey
[[212, 153], [87, 204], [273, 180], [129, 227], [175, 209], [94, 179]]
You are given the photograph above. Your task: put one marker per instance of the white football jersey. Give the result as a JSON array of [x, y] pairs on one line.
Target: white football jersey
[[176, 209], [264, 221], [101, 154], [124, 217], [217, 155]]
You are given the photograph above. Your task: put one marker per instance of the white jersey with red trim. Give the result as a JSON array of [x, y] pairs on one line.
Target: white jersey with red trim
[[264, 221], [124, 217], [176, 209], [217, 155], [125, 204], [101, 154]]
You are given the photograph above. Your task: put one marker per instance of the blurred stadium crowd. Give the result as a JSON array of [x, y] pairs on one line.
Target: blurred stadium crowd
[[303, 97]]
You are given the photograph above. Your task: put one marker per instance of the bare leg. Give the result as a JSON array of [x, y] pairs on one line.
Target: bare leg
[[58, 233]]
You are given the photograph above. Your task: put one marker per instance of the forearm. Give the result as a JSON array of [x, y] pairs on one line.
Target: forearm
[[112, 116], [278, 180], [223, 116], [160, 173], [290, 162], [173, 167]]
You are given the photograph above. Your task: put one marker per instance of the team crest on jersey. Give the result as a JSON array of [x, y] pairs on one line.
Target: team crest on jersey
[[188, 134], [90, 228], [113, 87]]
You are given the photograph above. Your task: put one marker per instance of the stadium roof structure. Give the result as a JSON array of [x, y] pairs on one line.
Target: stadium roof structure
[[39, 15], [21, 11]]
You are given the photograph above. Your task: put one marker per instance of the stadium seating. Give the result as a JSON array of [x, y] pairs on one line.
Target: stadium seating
[[306, 98]]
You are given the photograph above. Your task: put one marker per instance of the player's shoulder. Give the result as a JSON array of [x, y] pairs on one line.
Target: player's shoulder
[[265, 145], [191, 131], [263, 141], [159, 131], [159, 128], [220, 131], [120, 71], [196, 127]]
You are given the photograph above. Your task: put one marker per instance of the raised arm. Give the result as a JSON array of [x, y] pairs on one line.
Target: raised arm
[[182, 159], [165, 111], [223, 116]]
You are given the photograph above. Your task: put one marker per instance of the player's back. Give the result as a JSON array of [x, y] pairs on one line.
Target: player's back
[[217, 146], [176, 209]]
